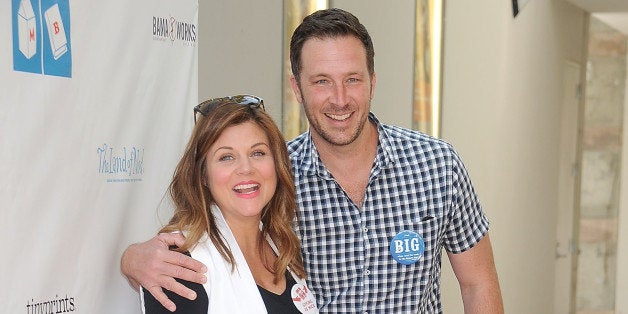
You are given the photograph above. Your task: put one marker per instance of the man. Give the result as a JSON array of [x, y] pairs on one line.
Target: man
[[377, 203]]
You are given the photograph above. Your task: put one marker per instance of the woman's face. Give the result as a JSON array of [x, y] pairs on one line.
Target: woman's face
[[241, 172]]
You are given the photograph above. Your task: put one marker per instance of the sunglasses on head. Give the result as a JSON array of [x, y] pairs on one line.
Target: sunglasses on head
[[246, 100]]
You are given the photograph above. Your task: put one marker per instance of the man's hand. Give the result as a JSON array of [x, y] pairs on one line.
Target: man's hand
[[153, 266]]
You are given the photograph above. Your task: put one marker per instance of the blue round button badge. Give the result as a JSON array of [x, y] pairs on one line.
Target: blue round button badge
[[407, 247]]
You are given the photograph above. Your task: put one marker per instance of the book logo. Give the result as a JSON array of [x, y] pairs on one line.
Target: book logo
[[42, 45], [56, 32]]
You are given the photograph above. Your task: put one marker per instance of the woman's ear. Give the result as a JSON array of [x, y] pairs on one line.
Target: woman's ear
[[204, 180]]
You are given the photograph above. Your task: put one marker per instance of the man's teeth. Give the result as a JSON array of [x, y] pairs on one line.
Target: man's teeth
[[339, 117], [246, 188]]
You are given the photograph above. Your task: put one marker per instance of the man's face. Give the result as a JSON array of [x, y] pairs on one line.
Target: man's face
[[335, 88]]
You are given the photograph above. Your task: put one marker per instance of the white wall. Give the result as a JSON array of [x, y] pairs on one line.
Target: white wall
[[502, 91]]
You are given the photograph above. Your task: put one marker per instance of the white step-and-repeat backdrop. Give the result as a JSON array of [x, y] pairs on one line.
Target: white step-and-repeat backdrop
[[96, 104]]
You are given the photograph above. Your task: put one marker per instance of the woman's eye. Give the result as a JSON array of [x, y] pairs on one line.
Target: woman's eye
[[225, 158], [259, 153]]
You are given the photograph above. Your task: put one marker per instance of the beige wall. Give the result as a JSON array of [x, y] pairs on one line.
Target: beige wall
[[501, 103], [239, 50], [621, 302], [391, 25], [502, 91]]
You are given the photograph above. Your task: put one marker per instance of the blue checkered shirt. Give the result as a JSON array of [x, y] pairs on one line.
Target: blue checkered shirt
[[417, 183]]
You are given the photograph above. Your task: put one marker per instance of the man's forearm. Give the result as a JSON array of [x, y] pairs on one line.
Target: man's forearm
[[124, 268], [483, 299]]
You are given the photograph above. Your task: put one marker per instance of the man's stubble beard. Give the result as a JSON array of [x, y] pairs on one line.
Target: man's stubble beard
[[327, 136]]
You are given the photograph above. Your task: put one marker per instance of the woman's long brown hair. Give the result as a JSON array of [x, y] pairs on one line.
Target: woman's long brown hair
[[192, 199]]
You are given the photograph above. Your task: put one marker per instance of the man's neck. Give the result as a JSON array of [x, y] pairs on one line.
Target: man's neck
[[364, 147], [351, 164]]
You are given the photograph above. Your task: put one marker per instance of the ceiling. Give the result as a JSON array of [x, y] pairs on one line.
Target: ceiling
[[612, 12], [595, 6]]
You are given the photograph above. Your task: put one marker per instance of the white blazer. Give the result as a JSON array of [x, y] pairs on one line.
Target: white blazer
[[237, 292]]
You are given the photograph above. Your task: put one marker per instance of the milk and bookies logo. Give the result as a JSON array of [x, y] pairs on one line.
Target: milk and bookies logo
[[41, 37]]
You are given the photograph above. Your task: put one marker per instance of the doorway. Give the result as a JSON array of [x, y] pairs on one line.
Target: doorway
[[592, 123]]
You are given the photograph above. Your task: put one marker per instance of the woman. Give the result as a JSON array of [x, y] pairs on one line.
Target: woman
[[234, 200]]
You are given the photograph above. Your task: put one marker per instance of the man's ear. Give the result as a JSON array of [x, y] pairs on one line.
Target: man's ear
[[296, 89], [373, 81]]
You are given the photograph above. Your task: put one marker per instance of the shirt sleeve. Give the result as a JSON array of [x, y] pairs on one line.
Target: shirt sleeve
[[468, 223]]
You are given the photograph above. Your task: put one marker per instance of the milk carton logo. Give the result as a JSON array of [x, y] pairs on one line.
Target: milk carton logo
[[27, 29], [41, 41]]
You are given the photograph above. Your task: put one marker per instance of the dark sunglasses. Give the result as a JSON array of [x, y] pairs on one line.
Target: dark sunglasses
[[246, 100]]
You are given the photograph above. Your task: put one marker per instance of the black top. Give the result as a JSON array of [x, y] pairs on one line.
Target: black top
[[200, 305], [280, 303], [274, 303]]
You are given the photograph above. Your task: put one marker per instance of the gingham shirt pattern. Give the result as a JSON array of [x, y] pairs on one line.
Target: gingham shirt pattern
[[417, 183]]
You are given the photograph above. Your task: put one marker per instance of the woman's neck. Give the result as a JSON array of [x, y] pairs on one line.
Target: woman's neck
[[248, 236]]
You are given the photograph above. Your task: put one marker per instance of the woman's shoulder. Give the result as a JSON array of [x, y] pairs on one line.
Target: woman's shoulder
[[199, 305]]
